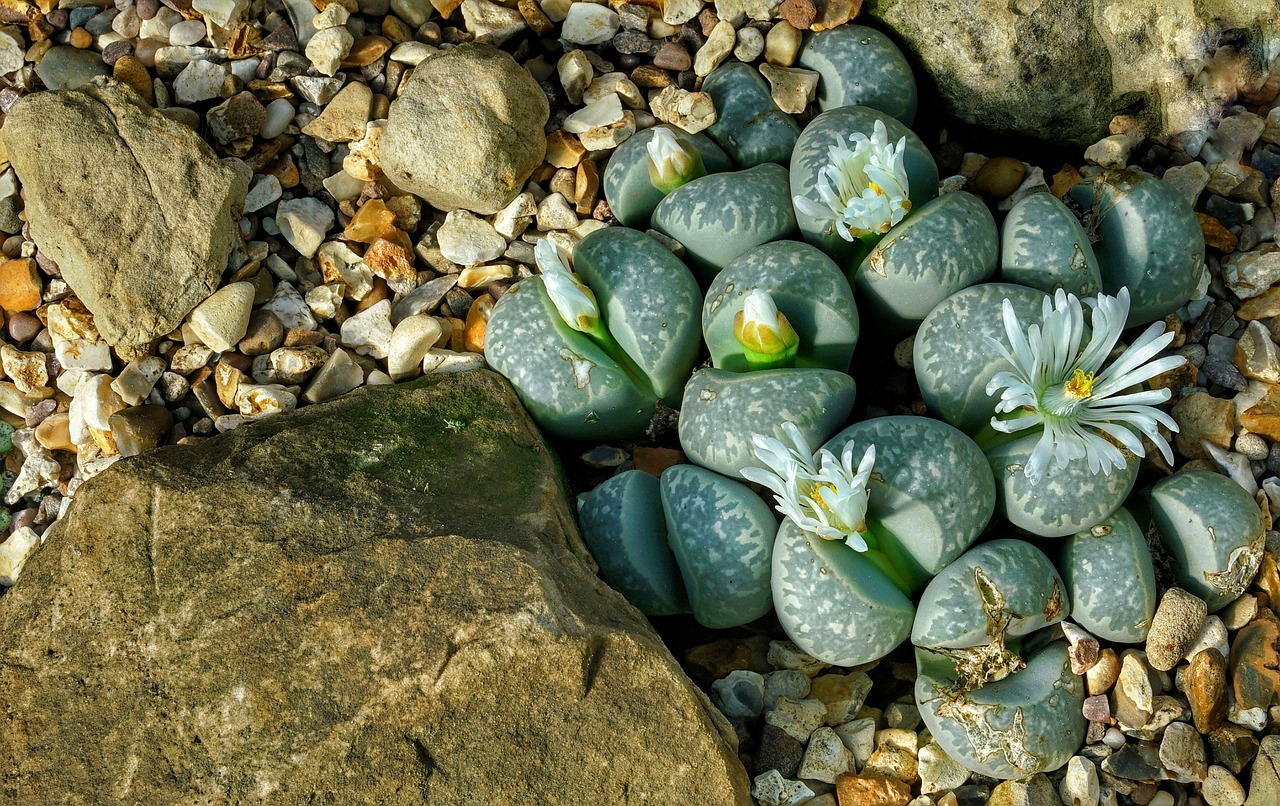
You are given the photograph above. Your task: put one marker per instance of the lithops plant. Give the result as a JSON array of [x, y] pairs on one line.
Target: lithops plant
[[948, 244], [1110, 579], [1044, 246], [721, 410], [860, 66], [1078, 461], [691, 542], [955, 354], [992, 709], [720, 216], [749, 125], [805, 285], [1028, 722], [592, 360], [855, 173], [856, 544], [1149, 240], [629, 181], [1212, 528]]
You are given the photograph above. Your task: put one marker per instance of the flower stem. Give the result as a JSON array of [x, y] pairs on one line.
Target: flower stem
[[758, 361], [885, 566]]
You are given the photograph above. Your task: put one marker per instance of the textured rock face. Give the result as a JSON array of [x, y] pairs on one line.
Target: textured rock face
[[135, 209], [1061, 71], [383, 599], [467, 130]]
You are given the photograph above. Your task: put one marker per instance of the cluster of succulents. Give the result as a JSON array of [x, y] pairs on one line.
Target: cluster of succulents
[[1038, 412]]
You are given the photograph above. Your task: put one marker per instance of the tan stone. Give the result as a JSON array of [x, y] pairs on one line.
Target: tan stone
[[870, 790], [1263, 417], [1201, 416]]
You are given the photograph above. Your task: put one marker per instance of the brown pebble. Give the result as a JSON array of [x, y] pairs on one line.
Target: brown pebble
[[1206, 685], [651, 77], [366, 50], [1255, 662], [800, 13], [139, 428], [294, 337], [264, 334], [130, 71], [477, 321], [655, 460], [670, 56], [54, 432], [586, 187], [23, 327], [80, 38], [564, 150], [533, 15], [998, 178], [20, 285], [708, 19], [1216, 235]]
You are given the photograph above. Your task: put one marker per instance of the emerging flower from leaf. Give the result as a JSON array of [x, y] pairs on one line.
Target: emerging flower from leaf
[[863, 190], [1058, 384], [672, 161], [575, 302], [767, 338], [819, 493]]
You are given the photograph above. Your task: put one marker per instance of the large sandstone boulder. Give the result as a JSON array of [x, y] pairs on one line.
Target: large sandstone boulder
[[466, 131], [1059, 71], [378, 600], [133, 207]]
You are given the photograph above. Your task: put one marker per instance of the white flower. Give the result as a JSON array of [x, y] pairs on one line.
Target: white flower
[[818, 492], [1062, 387], [575, 302], [761, 327], [672, 161], [863, 189]]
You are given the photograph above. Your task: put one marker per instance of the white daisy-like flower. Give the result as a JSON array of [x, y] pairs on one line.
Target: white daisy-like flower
[[575, 302], [1063, 387], [672, 161], [818, 492], [863, 189]]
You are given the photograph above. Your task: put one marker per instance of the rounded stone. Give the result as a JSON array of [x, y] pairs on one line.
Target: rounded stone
[[467, 130]]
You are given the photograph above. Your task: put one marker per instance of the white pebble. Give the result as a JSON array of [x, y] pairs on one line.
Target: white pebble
[[1221, 788], [825, 757], [138, 378], [186, 33], [771, 789], [604, 112], [589, 24], [223, 13], [328, 48], [303, 223], [411, 340], [14, 553], [221, 321], [369, 332], [333, 16], [199, 81], [449, 361], [467, 240], [265, 191], [1080, 785], [412, 53], [289, 306]]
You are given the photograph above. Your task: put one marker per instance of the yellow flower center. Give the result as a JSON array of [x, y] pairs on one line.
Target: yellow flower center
[[1081, 384], [816, 495], [876, 188]]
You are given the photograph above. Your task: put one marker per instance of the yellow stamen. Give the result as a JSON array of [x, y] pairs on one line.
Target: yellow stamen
[[817, 494], [1081, 384], [876, 188]]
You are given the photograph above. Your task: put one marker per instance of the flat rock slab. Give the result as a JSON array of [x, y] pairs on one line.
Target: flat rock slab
[[383, 599], [134, 208]]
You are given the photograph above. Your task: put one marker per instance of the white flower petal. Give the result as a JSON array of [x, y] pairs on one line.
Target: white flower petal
[[1079, 402]]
